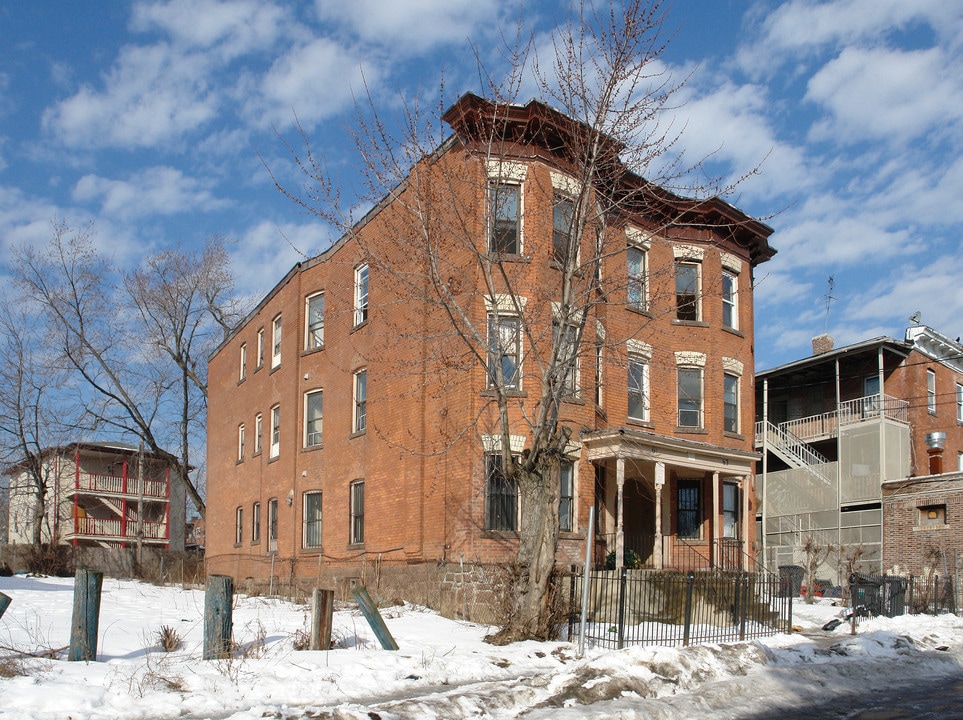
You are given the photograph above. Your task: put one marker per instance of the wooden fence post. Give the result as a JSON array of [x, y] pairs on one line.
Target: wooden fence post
[[322, 616], [218, 623], [4, 603], [86, 617], [371, 614]]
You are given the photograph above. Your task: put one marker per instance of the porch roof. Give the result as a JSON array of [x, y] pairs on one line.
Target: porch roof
[[635, 444]]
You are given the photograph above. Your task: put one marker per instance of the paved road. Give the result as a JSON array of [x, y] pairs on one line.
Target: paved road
[[934, 700]]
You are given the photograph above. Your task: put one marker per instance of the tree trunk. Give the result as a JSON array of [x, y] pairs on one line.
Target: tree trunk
[[531, 613]]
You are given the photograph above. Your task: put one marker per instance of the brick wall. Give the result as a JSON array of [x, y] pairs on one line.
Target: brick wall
[[914, 543]]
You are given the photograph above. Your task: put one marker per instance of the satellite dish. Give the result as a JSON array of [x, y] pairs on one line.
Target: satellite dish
[[915, 318]]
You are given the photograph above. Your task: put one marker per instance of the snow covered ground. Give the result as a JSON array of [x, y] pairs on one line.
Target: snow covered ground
[[442, 670]]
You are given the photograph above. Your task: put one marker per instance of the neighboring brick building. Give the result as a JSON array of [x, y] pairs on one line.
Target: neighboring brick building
[[98, 496], [837, 427], [923, 525], [347, 425]]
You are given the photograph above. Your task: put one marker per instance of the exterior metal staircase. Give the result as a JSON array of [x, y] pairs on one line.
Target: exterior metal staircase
[[796, 453]]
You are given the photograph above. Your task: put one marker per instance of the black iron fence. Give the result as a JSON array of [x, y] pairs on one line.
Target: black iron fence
[[665, 607], [892, 595]]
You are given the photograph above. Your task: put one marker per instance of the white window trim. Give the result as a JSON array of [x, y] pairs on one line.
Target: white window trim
[[734, 302], [240, 442], [702, 393], [931, 391], [260, 348], [499, 315], [642, 360], [258, 429], [277, 335], [256, 522], [362, 303], [308, 343], [243, 369], [306, 440], [357, 427], [959, 403], [275, 438], [697, 264], [738, 380], [238, 525]]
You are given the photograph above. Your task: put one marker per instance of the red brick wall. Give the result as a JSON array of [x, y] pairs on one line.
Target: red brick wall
[[909, 542], [424, 475]]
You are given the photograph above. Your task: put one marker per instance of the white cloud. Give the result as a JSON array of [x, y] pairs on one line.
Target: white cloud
[[799, 27], [880, 93], [267, 251], [314, 80], [152, 96], [234, 27], [409, 26], [154, 191]]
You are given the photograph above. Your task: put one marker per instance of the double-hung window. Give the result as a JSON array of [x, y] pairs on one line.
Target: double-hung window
[[256, 522], [275, 431], [636, 261], [276, 342], [360, 401], [240, 442], [504, 351], [730, 510], [356, 525], [238, 525], [931, 391], [566, 496], [360, 295], [566, 341], [638, 383], [312, 519], [959, 403], [730, 403], [501, 496], [563, 240], [243, 370], [687, 306], [260, 348], [314, 318], [258, 429], [690, 397], [504, 218], [273, 525], [730, 310], [313, 406], [688, 513]]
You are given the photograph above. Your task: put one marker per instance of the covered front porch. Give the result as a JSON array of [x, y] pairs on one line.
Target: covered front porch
[[664, 502]]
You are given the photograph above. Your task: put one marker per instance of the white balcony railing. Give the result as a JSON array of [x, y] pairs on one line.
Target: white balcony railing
[[115, 485], [113, 528]]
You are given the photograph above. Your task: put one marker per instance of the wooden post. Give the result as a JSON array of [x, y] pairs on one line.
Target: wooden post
[[218, 624], [322, 616], [371, 614], [86, 617], [4, 603]]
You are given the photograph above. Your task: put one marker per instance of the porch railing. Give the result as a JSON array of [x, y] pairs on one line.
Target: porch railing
[[115, 529], [117, 485], [677, 553]]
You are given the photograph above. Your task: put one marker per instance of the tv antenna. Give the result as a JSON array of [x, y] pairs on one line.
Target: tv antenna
[[829, 299]]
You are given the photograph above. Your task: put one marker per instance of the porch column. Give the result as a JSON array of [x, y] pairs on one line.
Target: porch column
[[714, 559], [619, 537], [659, 482]]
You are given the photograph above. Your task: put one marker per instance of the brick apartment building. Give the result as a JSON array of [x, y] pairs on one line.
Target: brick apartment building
[[99, 494], [849, 427], [349, 425]]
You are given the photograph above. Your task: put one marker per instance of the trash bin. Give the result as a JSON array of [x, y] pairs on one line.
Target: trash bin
[[790, 580], [895, 596], [866, 591]]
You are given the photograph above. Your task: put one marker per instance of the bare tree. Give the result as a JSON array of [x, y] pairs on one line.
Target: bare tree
[[29, 425], [138, 343], [605, 79]]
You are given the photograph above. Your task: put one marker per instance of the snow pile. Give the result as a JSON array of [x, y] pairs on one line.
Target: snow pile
[[443, 669]]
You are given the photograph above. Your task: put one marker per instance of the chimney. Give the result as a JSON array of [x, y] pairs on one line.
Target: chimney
[[934, 448], [822, 344]]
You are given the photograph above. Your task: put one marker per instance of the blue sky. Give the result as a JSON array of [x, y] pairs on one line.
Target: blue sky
[[148, 119]]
